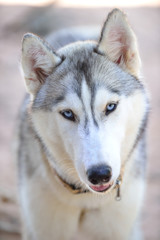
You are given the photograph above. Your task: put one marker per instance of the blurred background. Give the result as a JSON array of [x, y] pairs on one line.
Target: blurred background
[[42, 17]]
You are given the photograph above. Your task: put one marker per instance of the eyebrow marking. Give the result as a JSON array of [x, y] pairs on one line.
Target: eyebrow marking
[[58, 100]]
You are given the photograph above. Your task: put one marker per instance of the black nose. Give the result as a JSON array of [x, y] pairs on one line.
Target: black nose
[[99, 174]]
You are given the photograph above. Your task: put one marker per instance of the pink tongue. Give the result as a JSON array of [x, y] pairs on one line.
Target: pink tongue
[[100, 188]]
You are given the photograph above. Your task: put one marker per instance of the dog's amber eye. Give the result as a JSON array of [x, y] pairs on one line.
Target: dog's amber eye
[[110, 108], [68, 114]]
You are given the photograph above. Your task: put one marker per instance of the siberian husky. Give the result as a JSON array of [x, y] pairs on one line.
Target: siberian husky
[[82, 131]]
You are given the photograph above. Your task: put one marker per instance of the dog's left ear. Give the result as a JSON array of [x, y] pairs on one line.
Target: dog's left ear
[[119, 43]]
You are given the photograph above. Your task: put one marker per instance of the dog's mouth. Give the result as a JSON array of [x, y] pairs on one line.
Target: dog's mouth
[[101, 188]]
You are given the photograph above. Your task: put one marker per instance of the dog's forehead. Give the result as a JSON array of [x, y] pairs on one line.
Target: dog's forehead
[[83, 63], [79, 63]]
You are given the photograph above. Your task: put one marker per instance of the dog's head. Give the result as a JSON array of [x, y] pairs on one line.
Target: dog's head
[[87, 105]]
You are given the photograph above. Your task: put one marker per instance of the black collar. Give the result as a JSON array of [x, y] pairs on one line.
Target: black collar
[[71, 187], [78, 190]]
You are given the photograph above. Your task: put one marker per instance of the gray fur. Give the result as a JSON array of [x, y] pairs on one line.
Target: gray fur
[[86, 64]]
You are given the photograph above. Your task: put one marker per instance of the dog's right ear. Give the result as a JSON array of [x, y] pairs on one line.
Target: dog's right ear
[[38, 61]]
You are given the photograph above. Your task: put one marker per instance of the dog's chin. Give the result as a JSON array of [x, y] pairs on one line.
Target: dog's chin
[[101, 188]]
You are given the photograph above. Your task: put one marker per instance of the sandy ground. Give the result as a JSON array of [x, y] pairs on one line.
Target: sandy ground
[[14, 22]]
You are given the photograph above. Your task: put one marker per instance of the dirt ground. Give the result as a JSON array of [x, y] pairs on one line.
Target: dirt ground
[[14, 22]]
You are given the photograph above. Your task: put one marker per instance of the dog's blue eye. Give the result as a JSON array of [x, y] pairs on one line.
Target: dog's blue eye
[[110, 108], [68, 114]]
